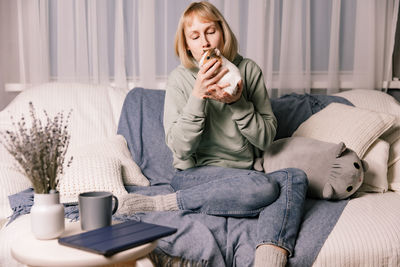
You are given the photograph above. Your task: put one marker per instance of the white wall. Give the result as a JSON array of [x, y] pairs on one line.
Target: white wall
[[8, 39]]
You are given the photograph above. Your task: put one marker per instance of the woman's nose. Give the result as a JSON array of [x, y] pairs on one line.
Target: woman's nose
[[204, 41]]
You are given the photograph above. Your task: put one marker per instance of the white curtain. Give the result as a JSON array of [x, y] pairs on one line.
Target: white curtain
[[9, 61], [300, 45]]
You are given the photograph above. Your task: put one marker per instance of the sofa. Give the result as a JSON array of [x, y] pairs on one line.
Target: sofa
[[363, 231]]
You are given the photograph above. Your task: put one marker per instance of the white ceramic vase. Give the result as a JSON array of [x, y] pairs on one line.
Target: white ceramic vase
[[47, 216]]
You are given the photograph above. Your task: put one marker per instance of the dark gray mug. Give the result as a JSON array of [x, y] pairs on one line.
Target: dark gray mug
[[96, 209]]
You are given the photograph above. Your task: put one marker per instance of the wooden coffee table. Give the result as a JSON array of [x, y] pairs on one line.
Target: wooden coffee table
[[33, 252]]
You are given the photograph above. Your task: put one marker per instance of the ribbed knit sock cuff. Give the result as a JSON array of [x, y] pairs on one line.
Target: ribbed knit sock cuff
[[166, 202], [133, 203], [269, 256]]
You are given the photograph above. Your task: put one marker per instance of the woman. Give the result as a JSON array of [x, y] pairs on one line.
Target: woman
[[215, 138]]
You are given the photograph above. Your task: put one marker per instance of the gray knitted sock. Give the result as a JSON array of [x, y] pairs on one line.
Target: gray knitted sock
[[269, 256], [133, 203]]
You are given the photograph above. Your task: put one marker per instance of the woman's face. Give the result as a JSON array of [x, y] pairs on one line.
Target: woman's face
[[201, 35]]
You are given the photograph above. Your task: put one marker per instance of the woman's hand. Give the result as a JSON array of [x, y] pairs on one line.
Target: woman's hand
[[217, 93], [209, 74]]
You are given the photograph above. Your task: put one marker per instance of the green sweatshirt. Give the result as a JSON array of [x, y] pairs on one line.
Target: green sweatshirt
[[207, 132]]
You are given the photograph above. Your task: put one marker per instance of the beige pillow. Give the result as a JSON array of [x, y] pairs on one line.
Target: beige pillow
[[117, 147], [394, 176], [394, 153], [91, 173], [358, 128], [375, 179], [394, 166], [379, 102]]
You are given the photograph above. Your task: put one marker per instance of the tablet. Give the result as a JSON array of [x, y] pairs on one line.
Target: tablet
[[118, 237]]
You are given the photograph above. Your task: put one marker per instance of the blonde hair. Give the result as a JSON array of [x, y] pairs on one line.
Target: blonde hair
[[208, 12]]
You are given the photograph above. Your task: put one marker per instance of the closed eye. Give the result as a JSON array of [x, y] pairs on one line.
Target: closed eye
[[211, 30]]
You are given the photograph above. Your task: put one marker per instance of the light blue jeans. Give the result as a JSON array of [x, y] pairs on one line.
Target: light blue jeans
[[277, 198]]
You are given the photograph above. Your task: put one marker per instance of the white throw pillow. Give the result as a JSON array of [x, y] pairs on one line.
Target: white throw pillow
[[394, 176], [95, 108], [115, 146], [91, 173], [394, 153], [394, 166], [379, 102], [375, 179], [358, 128]]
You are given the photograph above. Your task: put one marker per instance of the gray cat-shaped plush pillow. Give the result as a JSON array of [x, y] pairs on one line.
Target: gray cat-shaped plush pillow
[[333, 171]]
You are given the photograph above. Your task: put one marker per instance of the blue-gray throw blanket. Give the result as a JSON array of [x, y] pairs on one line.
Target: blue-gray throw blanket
[[201, 238]]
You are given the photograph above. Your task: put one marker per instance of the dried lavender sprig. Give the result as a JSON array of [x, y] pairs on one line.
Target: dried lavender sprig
[[41, 150]]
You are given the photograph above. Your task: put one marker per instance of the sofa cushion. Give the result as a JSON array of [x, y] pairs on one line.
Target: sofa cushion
[[377, 101], [91, 173], [358, 128], [375, 179], [116, 147]]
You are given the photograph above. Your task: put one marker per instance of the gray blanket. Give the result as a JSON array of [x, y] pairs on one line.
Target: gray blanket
[[204, 240], [220, 241], [208, 240]]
